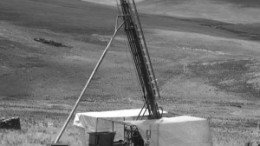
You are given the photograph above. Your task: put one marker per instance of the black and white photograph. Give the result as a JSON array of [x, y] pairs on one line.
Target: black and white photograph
[[129, 72]]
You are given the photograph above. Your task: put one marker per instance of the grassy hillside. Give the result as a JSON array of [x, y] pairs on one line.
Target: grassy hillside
[[231, 11], [61, 15], [207, 66]]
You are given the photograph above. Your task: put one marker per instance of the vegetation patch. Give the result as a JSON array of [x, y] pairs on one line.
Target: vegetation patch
[[229, 75]]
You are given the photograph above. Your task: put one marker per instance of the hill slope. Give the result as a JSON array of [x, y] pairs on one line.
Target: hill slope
[[207, 64]]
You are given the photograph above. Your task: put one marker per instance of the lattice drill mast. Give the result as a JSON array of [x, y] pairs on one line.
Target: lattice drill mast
[[140, 55]]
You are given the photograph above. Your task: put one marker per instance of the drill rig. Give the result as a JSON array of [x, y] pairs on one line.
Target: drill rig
[[138, 48], [141, 58], [150, 118], [144, 68]]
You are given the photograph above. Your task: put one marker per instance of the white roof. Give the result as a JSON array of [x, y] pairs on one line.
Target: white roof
[[113, 114], [88, 119]]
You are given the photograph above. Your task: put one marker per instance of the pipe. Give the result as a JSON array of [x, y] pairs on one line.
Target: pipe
[[87, 83]]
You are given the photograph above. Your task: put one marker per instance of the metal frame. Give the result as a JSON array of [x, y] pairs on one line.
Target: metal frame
[[130, 133], [140, 55]]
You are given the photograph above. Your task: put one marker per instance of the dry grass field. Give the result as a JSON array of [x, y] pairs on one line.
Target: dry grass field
[[206, 56]]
